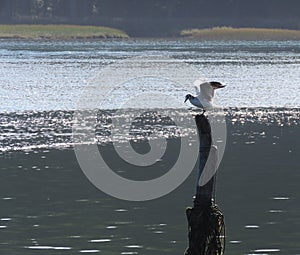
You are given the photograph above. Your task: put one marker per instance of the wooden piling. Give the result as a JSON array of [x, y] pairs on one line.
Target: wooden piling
[[206, 229]]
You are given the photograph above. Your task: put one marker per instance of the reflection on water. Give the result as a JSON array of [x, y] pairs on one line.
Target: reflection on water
[[48, 206], [44, 76], [37, 247], [33, 129]]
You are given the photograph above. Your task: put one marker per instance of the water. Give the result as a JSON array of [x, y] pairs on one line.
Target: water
[[42, 75], [49, 207]]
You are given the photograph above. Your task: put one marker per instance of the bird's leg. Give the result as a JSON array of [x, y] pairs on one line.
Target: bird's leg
[[203, 111]]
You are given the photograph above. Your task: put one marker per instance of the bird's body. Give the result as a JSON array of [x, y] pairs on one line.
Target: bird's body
[[204, 97], [195, 101]]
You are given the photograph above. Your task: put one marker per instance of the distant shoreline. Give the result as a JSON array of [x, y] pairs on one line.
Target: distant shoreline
[[229, 33], [73, 32], [59, 32]]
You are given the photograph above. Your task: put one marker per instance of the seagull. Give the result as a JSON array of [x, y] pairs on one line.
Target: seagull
[[204, 96]]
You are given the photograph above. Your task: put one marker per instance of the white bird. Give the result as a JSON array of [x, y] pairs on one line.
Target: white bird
[[204, 97]]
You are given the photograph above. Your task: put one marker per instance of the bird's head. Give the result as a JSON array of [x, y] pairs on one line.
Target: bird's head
[[187, 97], [217, 85]]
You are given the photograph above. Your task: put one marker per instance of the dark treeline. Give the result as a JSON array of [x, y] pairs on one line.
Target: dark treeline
[[154, 17]]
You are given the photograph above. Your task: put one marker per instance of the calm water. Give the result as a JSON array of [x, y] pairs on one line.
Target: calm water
[[47, 205]]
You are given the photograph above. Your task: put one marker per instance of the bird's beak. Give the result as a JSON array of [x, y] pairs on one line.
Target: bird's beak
[[220, 86], [186, 98]]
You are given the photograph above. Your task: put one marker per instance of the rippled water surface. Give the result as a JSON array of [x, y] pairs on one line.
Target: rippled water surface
[[37, 130], [48, 206], [46, 75]]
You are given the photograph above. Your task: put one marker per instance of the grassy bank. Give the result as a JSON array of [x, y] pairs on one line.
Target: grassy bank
[[59, 32], [229, 33]]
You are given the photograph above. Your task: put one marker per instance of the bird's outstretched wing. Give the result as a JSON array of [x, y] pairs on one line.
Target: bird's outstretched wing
[[197, 84], [206, 91], [197, 90]]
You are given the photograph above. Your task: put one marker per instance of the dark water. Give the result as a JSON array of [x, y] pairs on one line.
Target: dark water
[[48, 206]]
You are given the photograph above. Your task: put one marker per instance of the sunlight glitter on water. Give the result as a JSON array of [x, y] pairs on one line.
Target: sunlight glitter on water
[[111, 227], [134, 246], [41, 82], [56, 82], [251, 226], [235, 241], [5, 219], [267, 250], [100, 240], [281, 198], [38, 247], [89, 251], [45, 130]]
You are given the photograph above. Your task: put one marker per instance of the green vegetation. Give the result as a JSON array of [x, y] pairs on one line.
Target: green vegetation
[[59, 32], [158, 18], [229, 33]]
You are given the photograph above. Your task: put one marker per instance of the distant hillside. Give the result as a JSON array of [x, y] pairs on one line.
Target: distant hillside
[[154, 17]]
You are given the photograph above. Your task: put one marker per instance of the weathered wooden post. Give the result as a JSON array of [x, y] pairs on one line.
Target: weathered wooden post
[[206, 229]]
